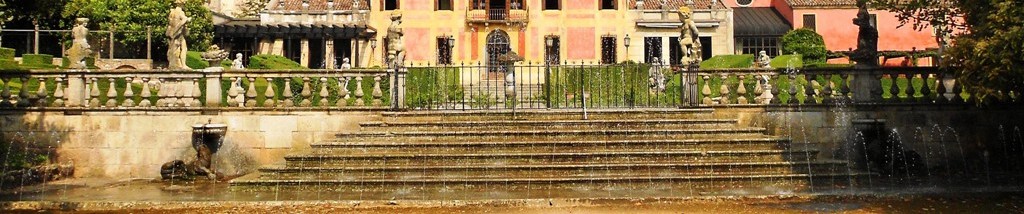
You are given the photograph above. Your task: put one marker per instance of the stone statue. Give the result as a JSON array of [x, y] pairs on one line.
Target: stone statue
[[215, 55], [79, 45], [763, 60], [396, 50], [689, 38], [345, 63], [176, 31], [866, 54], [238, 63], [656, 80]]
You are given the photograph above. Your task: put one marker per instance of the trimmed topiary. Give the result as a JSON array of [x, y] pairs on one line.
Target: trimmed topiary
[[195, 60], [805, 42], [787, 61], [275, 62], [89, 62], [8, 65], [37, 59], [729, 61], [6, 54]]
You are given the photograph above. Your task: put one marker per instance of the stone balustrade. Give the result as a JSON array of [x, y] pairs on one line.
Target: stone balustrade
[[920, 85], [107, 90]]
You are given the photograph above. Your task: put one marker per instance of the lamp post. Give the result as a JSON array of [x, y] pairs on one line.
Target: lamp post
[[373, 49], [626, 41], [548, 42]]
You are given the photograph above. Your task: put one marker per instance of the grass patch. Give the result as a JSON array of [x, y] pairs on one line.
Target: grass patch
[[728, 61]]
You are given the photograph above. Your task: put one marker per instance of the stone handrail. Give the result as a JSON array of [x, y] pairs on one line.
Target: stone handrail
[[113, 90], [824, 86]]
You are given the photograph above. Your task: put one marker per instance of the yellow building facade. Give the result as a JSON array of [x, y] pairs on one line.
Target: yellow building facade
[[477, 31]]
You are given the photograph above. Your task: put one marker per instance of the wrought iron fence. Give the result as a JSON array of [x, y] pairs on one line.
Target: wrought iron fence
[[539, 86]]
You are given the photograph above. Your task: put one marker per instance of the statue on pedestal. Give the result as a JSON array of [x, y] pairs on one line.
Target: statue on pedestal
[[396, 50], [238, 64], [689, 38], [176, 31], [345, 63], [79, 45], [763, 60], [866, 54]]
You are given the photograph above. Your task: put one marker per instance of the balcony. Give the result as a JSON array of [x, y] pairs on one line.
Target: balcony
[[497, 14]]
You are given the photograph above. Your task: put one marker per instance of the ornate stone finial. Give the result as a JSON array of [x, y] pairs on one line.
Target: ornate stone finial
[[79, 45], [214, 55], [176, 31]]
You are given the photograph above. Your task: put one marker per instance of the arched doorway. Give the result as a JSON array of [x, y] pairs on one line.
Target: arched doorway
[[497, 45]]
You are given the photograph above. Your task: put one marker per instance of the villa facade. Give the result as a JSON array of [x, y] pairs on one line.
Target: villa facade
[[322, 33]]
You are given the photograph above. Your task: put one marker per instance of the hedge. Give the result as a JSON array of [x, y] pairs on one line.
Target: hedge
[[6, 54], [195, 60], [275, 62], [787, 61], [805, 42], [729, 61]]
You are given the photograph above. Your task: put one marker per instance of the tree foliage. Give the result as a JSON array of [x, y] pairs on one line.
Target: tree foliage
[[132, 17], [24, 13], [805, 42], [987, 40]]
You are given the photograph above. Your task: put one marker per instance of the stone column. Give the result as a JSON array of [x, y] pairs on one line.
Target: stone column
[[329, 52], [265, 46], [397, 87], [304, 55], [278, 47]]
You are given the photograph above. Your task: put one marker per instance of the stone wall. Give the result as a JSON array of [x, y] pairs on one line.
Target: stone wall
[[136, 144], [960, 135]]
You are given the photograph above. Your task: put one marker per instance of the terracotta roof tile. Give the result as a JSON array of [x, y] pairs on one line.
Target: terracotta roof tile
[[675, 4]]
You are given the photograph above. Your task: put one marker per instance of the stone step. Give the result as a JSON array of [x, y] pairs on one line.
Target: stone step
[[550, 171], [546, 137], [547, 124], [565, 131], [620, 186], [547, 114], [418, 159], [427, 147]]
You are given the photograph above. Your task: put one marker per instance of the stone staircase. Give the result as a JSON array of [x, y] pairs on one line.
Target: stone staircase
[[552, 154]]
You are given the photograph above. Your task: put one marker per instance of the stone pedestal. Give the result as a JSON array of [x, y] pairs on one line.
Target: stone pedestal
[[213, 87], [75, 93], [398, 87], [866, 86]]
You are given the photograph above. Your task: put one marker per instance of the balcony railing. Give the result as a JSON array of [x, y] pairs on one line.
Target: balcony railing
[[474, 15]]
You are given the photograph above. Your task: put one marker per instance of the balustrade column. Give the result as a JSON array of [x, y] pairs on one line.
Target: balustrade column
[[94, 93], [23, 93], [250, 92], [306, 94], [233, 93], [111, 94], [925, 90], [792, 90], [342, 92], [810, 89], [359, 91], [269, 94], [706, 91], [58, 93], [741, 90], [827, 93], [147, 92], [5, 93], [723, 90], [39, 98], [287, 93], [129, 95], [324, 93], [377, 93]]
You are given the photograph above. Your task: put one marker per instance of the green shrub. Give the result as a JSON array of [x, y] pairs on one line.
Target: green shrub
[[9, 64], [89, 62], [805, 42], [431, 86], [623, 85], [195, 60], [826, 65], [787, 61], [266, 61], [45, 59], [729, 61], [6, 54]]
